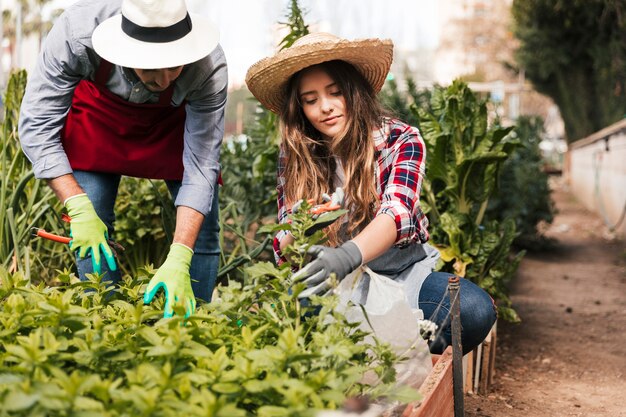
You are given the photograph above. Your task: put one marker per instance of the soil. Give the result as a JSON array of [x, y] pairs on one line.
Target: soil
[[568, 355]]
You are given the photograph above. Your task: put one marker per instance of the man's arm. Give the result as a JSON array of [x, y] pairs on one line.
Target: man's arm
[[204, 131], [61, 65], [65, 187], [188, 223]]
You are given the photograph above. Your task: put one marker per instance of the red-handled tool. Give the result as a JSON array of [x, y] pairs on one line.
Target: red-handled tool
[[37, 232], [324, 208]]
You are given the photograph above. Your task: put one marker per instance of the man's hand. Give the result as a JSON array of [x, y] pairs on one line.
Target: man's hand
[[173, 277], [339, 261], [89, 234], [321, 211]]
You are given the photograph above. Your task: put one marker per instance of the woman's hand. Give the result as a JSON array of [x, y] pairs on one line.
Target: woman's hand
[[338, 261]]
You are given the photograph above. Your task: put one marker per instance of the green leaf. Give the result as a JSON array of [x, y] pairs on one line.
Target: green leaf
[[272, 411], [263, 269], [161, 350], [255, 386], [19, 401], [226, 387]]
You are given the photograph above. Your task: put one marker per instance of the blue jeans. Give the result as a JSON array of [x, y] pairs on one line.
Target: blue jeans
[[478, 312], [102, 189]]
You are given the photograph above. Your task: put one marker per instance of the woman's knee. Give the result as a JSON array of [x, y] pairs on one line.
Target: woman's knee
[[478, 314]]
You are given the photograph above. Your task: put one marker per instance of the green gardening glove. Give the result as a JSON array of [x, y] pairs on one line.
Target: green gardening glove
[[89, 234], [173, 277]]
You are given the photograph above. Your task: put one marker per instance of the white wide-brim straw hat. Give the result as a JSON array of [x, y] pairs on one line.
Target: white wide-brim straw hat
[[154, 34], [267, 79]]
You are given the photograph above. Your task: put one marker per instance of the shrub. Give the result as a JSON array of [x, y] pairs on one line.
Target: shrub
[[523, 193]]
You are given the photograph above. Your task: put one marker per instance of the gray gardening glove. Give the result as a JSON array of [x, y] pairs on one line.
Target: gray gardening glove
[[339, 261]]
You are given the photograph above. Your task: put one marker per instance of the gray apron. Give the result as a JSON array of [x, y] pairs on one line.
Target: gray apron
[[409, 265]]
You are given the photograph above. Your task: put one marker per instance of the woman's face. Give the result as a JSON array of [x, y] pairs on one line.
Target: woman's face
[[322, 102]]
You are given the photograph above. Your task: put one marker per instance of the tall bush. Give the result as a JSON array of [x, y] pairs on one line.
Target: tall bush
[[249, 172], [524, 193], [465, 156], [25, 202], [575, 52]]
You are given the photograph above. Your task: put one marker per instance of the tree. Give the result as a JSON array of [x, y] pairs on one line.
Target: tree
[[575, 52]]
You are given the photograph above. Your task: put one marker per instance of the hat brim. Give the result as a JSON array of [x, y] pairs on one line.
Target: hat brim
[[267, 79], [112, 44]]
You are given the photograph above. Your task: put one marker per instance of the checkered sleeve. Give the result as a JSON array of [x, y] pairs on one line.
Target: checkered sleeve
[[400, 195], [282, 209]]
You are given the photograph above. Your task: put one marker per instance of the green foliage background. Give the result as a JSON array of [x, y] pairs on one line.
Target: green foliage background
[[523, 193], [464, 158], [24, 201], [574, 51]]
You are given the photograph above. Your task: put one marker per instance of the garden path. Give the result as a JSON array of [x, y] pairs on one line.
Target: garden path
[[568, 356]]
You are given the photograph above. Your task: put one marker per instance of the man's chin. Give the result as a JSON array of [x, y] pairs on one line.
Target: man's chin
[[156, 89]]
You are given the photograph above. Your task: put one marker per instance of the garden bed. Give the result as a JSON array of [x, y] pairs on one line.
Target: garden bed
[[438, 400]]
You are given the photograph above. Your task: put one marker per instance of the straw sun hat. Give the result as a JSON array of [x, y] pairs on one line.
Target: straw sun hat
[[153, 34], [267, 79]]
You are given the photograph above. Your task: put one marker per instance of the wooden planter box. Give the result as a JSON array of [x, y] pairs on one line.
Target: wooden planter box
[[438, 400]]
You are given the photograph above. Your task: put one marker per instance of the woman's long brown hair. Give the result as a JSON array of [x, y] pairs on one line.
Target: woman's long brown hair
[[310, 164]]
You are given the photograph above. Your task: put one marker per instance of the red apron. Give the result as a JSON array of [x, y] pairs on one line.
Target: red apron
[[104, 133]]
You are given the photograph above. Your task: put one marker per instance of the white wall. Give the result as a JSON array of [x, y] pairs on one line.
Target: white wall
[[597, 176]]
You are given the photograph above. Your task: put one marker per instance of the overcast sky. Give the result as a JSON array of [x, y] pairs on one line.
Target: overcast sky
[[247, 26]]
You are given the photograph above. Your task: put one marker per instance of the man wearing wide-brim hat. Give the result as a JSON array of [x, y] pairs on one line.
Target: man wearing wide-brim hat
[[137, 88]]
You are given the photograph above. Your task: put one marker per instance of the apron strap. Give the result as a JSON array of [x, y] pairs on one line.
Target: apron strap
[[165, 98], [104, 72]]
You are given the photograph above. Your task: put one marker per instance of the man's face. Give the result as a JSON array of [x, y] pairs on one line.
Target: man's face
[[157, 80]]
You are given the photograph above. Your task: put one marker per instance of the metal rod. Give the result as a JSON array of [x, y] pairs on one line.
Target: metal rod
[[457, 350]]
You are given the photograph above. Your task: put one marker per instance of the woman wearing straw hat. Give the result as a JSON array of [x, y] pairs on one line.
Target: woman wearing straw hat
[[334, 134], [138, 88]]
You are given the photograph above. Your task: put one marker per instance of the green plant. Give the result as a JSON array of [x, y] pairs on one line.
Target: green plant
[[145, 230], [399, 103], [249, 172], [90, 350], [465, 156], [529, 204], [25, 202]]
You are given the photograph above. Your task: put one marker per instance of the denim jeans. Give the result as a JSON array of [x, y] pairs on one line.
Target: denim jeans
[[101, 188], [478, 312]]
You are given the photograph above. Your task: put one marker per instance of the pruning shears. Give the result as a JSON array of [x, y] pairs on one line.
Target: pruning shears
[[319, 208], [39, 232], [331, 203]]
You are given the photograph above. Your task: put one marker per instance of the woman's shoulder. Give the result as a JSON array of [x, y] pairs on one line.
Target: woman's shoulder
[[399, 130]]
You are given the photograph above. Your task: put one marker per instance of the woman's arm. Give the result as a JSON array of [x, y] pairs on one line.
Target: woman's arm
[[376, 238]]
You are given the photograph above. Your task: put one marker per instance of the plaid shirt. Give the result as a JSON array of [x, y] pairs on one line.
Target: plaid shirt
[[400, 167]]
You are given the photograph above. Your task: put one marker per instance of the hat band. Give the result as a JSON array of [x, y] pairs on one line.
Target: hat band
[[157, 34]]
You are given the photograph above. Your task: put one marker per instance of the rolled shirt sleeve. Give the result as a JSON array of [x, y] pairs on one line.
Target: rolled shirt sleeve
[[403, 168], [61, 65], [204, 132]]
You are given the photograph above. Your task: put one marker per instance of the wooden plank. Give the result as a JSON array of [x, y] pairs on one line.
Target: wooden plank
[[483, 385], [477, 366], [469, 374], [492, 354], [438, 400]]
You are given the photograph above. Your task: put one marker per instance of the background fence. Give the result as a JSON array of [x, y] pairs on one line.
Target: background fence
[[596, 171]]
